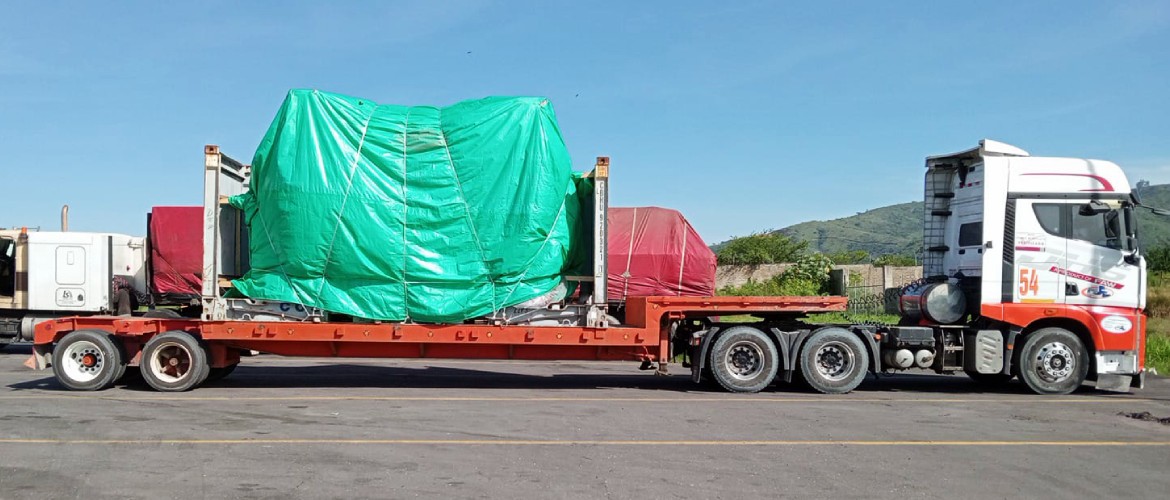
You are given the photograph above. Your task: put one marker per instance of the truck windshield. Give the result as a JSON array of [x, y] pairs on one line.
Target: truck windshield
[[1102, 229]]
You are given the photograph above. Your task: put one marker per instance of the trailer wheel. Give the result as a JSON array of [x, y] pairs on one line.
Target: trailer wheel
[[88, 360], [174, 361], [743, 359], [1053, 361], [833, 361]]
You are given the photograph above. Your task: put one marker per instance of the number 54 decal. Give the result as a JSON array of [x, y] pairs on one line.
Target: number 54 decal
[[1029, 282]]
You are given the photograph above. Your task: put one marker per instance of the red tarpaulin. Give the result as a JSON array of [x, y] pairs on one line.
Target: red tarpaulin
[[176, 250], [655, 251]]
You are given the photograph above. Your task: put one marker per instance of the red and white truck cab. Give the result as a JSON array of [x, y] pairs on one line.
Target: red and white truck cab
[[1037, 261]]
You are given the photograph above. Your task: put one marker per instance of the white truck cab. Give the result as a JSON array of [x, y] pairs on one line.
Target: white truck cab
[[1037, 258], [45, 275]]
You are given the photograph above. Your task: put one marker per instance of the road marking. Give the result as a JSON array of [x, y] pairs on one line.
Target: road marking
[[570, 399], [563, 399], [574, 442]]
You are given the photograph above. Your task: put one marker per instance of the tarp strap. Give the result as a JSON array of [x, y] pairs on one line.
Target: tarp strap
[[682, 263], [629, 255], [357, 156], [272, 245], [467, 210], [528, 265]]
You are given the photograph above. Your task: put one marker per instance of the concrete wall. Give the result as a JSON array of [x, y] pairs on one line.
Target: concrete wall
[[865, 274]]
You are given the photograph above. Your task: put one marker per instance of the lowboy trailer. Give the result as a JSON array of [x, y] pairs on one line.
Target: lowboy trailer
[[1032, 271]]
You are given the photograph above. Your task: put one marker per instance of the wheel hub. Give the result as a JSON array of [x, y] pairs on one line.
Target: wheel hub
[[83, 361], [1055, 362], [834, 361], [744, 360], [171, 362], [88, 360]]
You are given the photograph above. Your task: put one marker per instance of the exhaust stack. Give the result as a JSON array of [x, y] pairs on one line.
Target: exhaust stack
[[65, 219]]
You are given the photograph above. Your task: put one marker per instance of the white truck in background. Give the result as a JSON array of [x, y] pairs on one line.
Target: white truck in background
[[46, 275]]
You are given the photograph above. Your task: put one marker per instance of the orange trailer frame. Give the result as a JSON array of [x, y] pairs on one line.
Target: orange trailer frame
[[645, 337]]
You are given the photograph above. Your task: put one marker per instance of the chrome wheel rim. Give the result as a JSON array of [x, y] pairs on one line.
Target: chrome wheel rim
[[834, 361], [83, 361], [171, 362], [744, 360], [1055, 362]]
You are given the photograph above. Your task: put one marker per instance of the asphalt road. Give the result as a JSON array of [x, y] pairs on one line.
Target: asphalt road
[[323, 428]]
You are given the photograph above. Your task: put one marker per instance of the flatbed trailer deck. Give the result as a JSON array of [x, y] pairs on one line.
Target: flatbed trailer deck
[[646, 337]]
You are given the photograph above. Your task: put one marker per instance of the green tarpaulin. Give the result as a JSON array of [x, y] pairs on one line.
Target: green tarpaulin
[[423, 213]]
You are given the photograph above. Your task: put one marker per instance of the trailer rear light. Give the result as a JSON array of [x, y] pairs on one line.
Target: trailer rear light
[[877, 337]]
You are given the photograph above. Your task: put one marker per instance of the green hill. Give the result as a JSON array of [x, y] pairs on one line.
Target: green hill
[[897, 229], [1154, 230]]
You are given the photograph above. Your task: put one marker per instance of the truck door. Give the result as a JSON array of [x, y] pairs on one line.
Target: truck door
[[970, 243], [1039, 252], [1098, 271], [69, 272], [7, 270]]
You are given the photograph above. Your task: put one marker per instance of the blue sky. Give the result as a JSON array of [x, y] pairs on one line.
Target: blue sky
[[744, 116]]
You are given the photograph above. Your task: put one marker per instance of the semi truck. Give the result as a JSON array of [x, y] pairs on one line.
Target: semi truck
[[52, 274], [1032, 271]]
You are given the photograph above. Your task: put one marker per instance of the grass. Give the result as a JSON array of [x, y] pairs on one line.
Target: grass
[[1158, 345]]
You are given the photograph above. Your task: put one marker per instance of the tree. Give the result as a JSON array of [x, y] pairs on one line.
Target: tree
[[896, 260], [761, 248], [850, 257], [1158, 259]]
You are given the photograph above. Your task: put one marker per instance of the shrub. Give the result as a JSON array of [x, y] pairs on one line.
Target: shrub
[[807, 277], [895, 260], [761, 248], [1158, 302], [1158, 259]]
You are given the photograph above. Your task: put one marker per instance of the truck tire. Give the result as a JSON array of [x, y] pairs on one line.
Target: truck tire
[[1053, 361], [88, 360], [744, 359], [174, 362], [833, 361]]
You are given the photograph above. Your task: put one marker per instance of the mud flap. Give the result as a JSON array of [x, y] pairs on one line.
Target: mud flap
[[1114, 382], [41, 357]]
